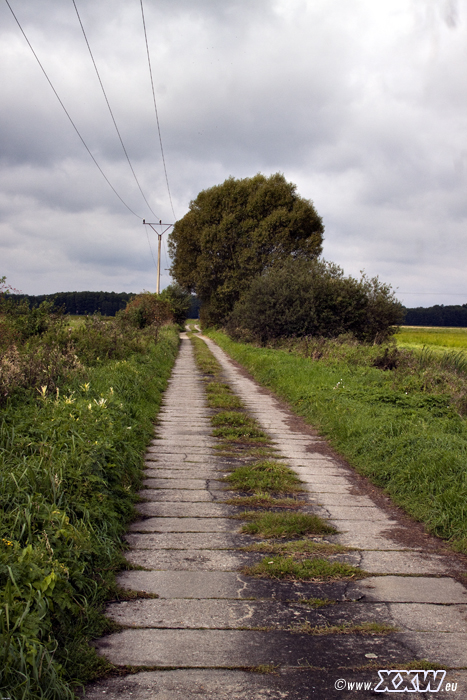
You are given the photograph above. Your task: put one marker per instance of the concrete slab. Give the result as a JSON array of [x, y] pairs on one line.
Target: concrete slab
[[186, 525], [217, 684], [411, 589], [236, 648], [191, 560], [176, 495], [183, 484], [424, 617], [339, 499], [447, 649], [199, 585], [185, 510], [165, 450], [196, 472], [368, 514], [402, 563], [235, 614], [187, 540]]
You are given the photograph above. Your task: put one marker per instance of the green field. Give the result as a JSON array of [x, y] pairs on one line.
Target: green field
[[435, 337]]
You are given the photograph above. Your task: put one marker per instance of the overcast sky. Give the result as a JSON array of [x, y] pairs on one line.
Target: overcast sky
[[361, 103]]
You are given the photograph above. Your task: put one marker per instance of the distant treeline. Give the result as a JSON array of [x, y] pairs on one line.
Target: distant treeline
[[83, 303], [455, 316]]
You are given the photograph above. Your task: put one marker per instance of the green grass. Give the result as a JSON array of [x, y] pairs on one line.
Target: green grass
[[398, 429], [282, 567], [70, 464], [234, 419], [266, 476], [204, 358], [439, 337], [220, 396], [274, 525]]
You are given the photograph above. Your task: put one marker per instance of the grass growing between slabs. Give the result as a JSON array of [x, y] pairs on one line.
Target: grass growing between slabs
[[278, 525], [403, 428], [265, 476], [273, 489], [70, 463], [282, 567]]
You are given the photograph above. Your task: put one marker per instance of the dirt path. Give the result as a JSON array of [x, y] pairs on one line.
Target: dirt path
[[211, 630]]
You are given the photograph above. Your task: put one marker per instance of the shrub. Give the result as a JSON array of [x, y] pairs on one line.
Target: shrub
[[314, 298], [145, 310]]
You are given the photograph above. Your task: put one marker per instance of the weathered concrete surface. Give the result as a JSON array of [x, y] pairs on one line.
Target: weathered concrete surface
[[284, 684], [229, 648], [207, 614]]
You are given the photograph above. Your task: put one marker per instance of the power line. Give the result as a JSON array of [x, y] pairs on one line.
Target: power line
[[155, 108], [68, 115], [110, 109]]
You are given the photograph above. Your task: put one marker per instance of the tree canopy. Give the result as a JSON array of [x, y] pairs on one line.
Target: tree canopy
[[234, 232]]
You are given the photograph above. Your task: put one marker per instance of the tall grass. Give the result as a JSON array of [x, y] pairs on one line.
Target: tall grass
[[70, 462], [400, 428]]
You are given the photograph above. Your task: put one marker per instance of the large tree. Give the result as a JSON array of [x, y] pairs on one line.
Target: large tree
[[234, 232]]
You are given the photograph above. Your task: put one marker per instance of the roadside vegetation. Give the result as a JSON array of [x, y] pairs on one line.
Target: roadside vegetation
[[76, 410], [397, 415]]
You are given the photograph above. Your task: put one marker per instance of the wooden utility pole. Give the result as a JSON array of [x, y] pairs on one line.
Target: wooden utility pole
[[159, 242]]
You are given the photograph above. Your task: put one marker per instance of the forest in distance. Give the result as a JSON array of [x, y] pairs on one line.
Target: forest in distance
[[108, 303], [88, 303]]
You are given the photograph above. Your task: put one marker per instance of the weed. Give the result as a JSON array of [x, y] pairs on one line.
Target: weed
[[204, 358], [315, 602], [232, 418], [266, 476], [246, 434], [365, 628], [273, 525], [304, 570], [264, 668]]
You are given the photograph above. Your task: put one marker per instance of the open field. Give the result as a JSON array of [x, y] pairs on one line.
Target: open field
[[435, 337]]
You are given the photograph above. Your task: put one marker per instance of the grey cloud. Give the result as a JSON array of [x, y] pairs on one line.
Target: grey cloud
[[362, 104]]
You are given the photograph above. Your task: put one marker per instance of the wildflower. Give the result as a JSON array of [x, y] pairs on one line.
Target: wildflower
[[8, 543], [85, 387], [101, 401], [90, 406], [112, 390], [42, 391]]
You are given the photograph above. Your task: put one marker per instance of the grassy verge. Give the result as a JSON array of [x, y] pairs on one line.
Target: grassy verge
[[70, 462], [398, 429]]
